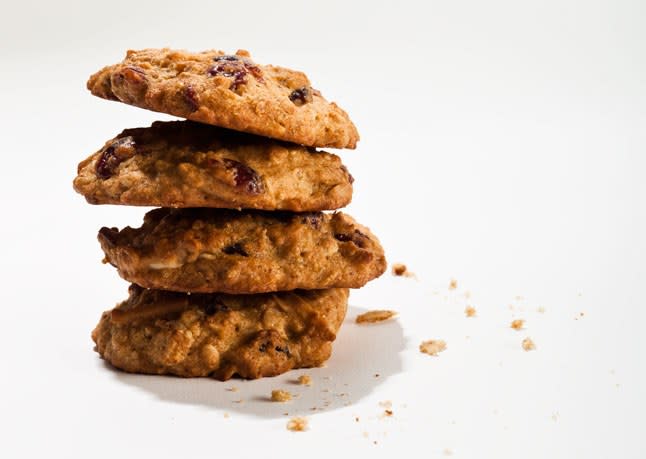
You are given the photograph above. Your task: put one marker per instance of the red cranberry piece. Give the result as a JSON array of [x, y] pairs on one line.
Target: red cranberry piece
[[350, 177], [190, 97], [236, 68], [301, 96], [113, 155], [245, 177], [235, 249], [313, 219], [357, 238]]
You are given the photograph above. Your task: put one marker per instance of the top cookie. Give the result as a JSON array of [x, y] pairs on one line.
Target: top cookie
[[229, 91]]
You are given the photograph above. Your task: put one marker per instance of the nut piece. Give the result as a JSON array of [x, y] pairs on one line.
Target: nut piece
[[279, 395], [453, 284], [517, 324], [470, 311], [297, 425], [432, 346], [375, 316], [305, 380], [528, 344]]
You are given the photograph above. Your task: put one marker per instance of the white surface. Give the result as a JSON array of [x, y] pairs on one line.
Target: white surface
[[503, 145]]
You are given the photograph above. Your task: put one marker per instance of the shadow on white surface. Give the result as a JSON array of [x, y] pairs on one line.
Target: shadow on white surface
[[364, 356]]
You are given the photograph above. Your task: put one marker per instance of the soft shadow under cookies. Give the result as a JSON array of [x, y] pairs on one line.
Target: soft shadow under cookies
[[363, 357]]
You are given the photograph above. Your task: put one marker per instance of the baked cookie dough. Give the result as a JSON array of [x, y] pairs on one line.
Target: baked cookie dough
[[216, 250], [220, 335], [227, 90], [187, 164]]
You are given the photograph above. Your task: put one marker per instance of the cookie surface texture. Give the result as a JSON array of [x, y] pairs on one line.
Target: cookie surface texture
[[214, 250], [220, 335], [227, 90]]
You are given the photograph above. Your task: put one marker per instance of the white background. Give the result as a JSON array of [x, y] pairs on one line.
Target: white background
[[503, 146]]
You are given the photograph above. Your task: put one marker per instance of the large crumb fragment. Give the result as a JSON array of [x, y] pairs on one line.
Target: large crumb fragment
[[305, 380], [297, 424], [517, 324], [432, 346], [470, 311], [453, 284], [528, 344], [278, 395], [400, 269], [378, 315]]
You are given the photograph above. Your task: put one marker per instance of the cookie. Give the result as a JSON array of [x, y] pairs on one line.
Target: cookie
[[187, 164], [220, 335], [216, 250], [227, 90]]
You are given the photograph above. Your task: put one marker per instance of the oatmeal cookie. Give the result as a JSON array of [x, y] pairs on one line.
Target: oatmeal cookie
[[187, 164], [220, 335], [216, 250], [227, 90]]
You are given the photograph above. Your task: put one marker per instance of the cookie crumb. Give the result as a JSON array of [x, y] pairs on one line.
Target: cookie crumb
[[528, 344], [386, 404], [377, 375], [470, 311], [388, 413], [279, 395], [400, 269], [226, 415], [540, 309], [453, 284], [432, 346], [375, 316], [232, 389], [517, 324], [356, 419], [305, 380], [297, 424]]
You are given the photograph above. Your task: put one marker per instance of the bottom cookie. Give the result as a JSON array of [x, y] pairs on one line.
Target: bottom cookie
[[219, 335]]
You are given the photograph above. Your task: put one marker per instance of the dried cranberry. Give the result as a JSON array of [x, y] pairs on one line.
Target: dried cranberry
[[245, 177], [284, 350], [235, 249], [190, 96], [313, 219], [301, 96], [114, 154], [350, 177], [236, 68], [357, 238]]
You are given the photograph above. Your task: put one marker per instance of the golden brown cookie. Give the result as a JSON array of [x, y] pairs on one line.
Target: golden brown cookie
[[229, 91], [220, 335], [187, 164], [215, 250]]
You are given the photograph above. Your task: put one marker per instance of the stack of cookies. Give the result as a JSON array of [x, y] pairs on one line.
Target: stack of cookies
[[238, 271]]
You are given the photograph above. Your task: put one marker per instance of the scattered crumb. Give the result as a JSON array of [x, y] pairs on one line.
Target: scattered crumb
[[285, 413], [305, 380], [517, 324], [314, 408], [377, 375], [377, 315], [279, 395], [540, 310], [374, 442], [448, 452], [226, 415], [356, 419], [232, 389], [238, 401], [400, 269], [386, 404], [528, 344], [388, 413], [470, 311], [432, 346], [453, 284], [297, 424]]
